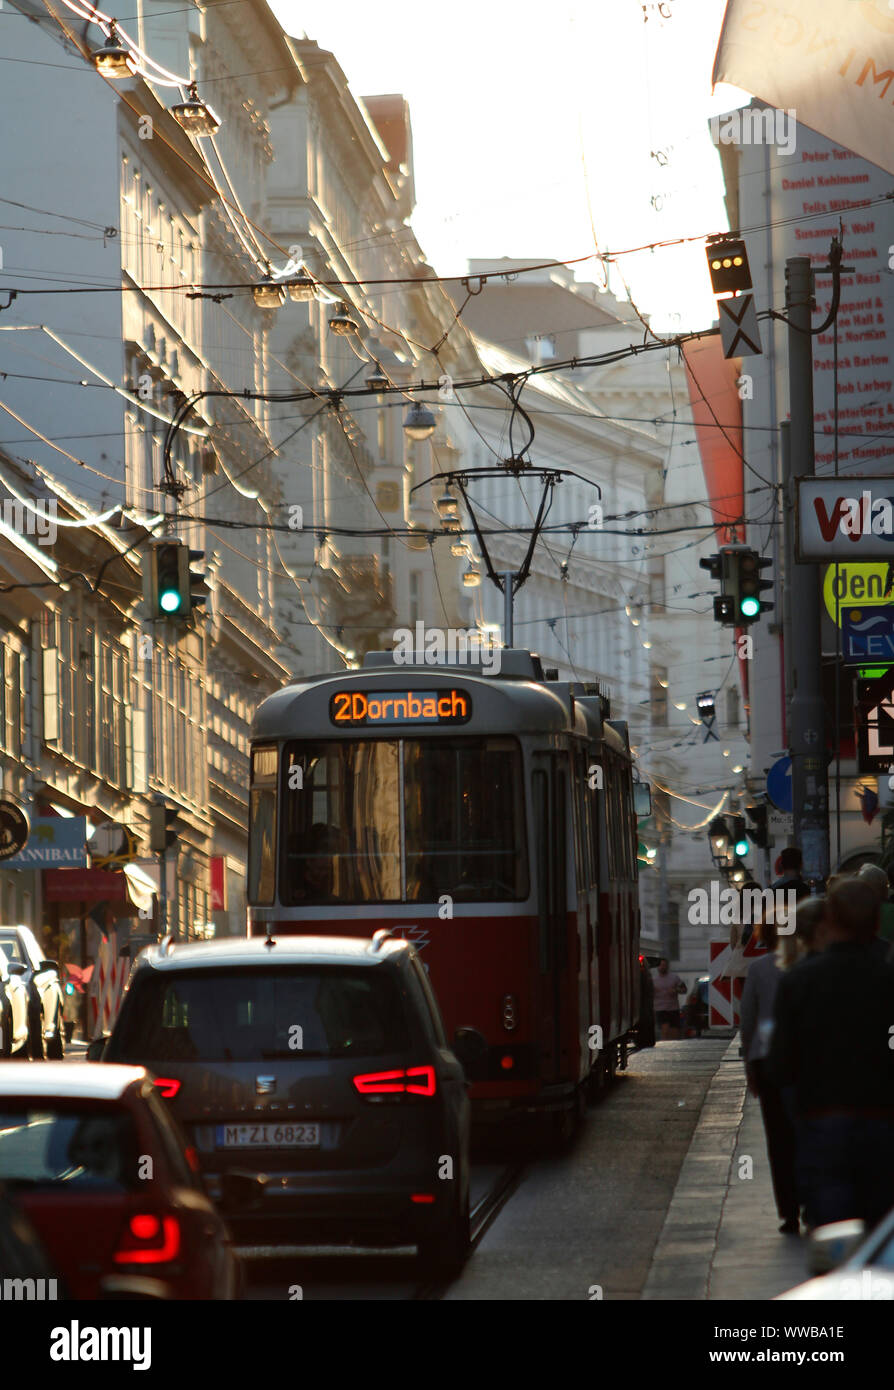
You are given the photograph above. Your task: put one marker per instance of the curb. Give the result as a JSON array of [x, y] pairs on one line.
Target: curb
[[681, 1264]]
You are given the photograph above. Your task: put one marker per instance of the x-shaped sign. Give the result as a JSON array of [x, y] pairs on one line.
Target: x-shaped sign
[[738, 324]]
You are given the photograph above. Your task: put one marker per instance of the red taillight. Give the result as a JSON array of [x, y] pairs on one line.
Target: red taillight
[[168, 1085], [415, 1081], [149, 1240], [422, 1199], [192, 1158]]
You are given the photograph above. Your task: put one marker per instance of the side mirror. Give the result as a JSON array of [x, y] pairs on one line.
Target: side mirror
[[17, 968], [242, 1189], [642, 800], [829, 1246], [96, 1048], [49, 965], [470, 1047]]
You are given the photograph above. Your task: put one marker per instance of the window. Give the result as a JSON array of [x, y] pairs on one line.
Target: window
[[463, 832], [78, 1145], [262, 827], [248, 1015]]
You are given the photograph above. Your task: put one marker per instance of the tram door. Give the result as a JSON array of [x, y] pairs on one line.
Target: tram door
[[550, 800]]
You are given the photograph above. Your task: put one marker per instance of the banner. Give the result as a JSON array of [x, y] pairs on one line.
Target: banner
[[830, 61]]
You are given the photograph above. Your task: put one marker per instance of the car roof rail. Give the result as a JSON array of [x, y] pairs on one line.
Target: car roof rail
[[380, 937]]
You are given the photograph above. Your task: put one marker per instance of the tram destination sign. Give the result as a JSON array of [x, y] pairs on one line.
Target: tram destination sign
[[365, 708]]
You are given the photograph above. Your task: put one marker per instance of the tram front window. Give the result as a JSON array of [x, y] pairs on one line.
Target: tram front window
[[465, 832], [463, 822]]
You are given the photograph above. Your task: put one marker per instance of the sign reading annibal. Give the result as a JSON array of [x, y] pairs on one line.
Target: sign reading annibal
[[354, 708]]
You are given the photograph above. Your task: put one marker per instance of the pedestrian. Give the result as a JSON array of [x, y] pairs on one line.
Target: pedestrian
[[830, 1043], [756, 1015], [668, 988], [877, 878], [789, 864]]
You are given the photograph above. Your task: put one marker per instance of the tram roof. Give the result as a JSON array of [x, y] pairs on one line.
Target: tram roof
[[513, 701]]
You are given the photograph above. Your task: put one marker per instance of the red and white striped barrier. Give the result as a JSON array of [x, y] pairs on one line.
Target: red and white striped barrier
[[107, 985], [726, 980]]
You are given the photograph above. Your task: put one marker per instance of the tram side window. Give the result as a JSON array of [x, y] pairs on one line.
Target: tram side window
[[262, 828], [586, 870], [613, 821]]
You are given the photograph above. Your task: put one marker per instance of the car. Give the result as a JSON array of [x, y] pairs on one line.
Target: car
[[13, 1007], [321, 1063], [46, 1002], [22, 1257], [848, 1264], [102, 1173]]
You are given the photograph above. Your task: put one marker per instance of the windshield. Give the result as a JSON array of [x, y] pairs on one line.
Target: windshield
[[12, 949], [79, 1146], [254, 1015], [408, 820]]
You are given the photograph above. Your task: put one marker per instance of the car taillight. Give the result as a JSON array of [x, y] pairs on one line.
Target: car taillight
[[149, 1240], [167, 1085], [414, 1081]]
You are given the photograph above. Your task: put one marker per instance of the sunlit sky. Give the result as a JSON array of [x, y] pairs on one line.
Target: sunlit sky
[[535, 126]]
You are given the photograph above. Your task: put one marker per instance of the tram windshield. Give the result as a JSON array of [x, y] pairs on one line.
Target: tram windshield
[[403, 820]]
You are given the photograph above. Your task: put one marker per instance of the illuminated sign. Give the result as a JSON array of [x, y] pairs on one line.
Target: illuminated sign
[[351, 708]]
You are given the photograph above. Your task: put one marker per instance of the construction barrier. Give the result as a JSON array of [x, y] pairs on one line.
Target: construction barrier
[[107, 985], [726, 979]]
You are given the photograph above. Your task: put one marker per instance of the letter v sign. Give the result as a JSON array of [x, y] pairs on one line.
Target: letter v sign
[[738, 322]]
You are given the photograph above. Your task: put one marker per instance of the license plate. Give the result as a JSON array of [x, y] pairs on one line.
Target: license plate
[[269, 1136]]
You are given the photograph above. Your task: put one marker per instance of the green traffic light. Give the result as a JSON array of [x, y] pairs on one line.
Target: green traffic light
[[741, 848], [169, 600], [750, 607]]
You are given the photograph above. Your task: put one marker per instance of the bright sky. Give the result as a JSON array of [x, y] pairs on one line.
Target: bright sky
[[534, 125]]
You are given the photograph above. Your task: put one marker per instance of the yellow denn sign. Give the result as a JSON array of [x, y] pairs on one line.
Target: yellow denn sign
[[866, 584]]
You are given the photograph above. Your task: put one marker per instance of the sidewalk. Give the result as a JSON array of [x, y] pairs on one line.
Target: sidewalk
[[720, 1239]]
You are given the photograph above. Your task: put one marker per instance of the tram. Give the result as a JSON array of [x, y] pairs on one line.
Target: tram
[[489, 819]]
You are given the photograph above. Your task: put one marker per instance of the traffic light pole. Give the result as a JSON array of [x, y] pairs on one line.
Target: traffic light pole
[[807, 723]]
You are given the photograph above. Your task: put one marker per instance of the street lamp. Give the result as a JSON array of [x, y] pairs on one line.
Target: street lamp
[[420, 422], [269, 293], [447, 505], [302, 287], [719, 836], [472, 576], [341, 322], [112, 60], [195, 115]]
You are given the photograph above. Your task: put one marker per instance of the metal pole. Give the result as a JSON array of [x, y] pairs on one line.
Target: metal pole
[[807, 735], [508, 578], [788, 568], [163, 893]]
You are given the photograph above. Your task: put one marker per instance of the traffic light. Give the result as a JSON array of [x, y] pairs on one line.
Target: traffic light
[[195, 579], [759, 831], [162, 832], [739, 836], [166, 579], [750, 586], [718, 834], [728, 265], [722, 567]]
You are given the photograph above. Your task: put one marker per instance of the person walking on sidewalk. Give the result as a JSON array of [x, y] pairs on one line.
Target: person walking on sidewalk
[[789, 864], [756, 1014], [668, 988], [831, 1044]]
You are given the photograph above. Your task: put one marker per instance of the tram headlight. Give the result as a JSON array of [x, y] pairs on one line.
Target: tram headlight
[[510, 1012]]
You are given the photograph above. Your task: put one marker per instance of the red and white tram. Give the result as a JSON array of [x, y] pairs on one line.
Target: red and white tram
[[489, 819]]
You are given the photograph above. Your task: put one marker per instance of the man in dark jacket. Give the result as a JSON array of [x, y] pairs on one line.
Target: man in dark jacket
[[790, 863], [834, 1022]]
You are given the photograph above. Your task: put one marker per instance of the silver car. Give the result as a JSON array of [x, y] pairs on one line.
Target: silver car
[[44, 988], [13, 1008]]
